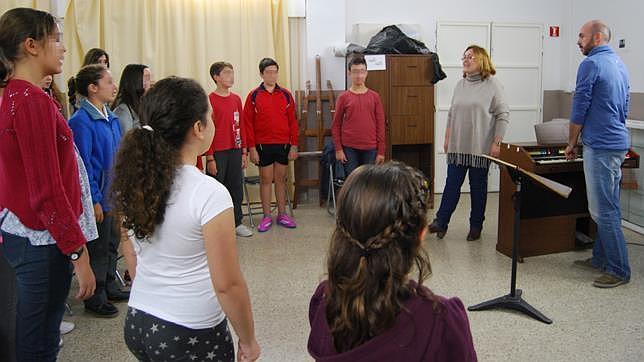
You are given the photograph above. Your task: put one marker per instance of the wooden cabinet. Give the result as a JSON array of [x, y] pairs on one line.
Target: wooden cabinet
[[407, 94]]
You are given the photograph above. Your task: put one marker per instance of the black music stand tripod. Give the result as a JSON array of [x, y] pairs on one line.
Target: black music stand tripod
[[514, 300]]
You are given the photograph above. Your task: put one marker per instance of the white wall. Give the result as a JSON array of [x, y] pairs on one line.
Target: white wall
[[561, 55], [325, 24], [624, 17], [325, 16]]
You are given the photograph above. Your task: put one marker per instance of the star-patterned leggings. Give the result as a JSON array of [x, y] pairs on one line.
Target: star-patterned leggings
[[153, 339]]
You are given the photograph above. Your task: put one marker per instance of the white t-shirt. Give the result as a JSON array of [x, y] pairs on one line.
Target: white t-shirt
[[172, 276]]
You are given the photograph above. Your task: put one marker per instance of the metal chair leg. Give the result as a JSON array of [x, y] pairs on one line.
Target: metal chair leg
[[331, 193], [120, 278], [118, 274], [248, 206], [288, 199]]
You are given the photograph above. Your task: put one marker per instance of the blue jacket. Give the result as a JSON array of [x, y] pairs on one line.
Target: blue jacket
[[600, 103], [97, 140]]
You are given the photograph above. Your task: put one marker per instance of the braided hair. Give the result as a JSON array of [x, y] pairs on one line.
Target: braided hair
[[382, 211]]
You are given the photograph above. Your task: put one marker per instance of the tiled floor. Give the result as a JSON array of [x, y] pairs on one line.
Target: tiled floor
[[283, 267]]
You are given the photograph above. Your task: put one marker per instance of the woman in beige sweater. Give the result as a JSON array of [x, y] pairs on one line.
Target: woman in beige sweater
[[476, 123]]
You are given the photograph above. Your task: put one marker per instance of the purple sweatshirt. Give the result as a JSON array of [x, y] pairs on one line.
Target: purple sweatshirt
[[422, 334]]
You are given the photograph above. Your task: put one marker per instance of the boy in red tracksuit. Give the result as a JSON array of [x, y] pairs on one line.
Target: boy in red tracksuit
[[271, 130], [227, 154]]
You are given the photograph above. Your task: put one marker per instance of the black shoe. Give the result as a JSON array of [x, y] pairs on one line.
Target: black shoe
[[118, 295], [474, 234], [105, 310], [435, 228]]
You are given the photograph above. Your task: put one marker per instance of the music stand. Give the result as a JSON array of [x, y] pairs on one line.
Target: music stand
[[514, 301]]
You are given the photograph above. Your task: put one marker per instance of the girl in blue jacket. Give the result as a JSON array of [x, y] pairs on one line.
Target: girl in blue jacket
[[97, 134]]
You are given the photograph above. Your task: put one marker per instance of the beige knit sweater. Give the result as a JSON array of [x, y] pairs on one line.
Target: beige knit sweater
[[477, 115]]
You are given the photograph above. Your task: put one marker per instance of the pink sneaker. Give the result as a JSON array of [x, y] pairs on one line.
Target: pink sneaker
[[265, 224], [286, 221]]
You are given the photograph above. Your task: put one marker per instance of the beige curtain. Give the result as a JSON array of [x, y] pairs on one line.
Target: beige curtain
[[181, 37]]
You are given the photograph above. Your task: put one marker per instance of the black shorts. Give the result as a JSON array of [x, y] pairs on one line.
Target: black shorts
[[269, 154]]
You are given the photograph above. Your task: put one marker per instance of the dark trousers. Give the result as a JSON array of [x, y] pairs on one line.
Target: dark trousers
[[102, 258], [7, 310], [229, 174], [153, 339], [452, 193], [356, 157], [113, 285], [43, 277]]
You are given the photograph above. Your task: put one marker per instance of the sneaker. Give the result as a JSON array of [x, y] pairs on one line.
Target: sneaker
[[608, 281], [286, 221], [585, 263], [105, 310], [265, 224], [243, 230], [435, 228], [66, 327], [474, 234]]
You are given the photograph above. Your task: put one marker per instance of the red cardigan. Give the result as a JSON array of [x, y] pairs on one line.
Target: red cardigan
[[38, 168]]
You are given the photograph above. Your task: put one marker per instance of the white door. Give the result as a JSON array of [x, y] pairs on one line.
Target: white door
[[517, 52], [451, 40]]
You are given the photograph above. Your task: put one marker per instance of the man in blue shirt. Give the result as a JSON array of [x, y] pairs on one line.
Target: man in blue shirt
[[599, 109]]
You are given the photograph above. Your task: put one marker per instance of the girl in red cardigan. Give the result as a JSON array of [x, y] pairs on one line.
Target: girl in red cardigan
[[41, 185]]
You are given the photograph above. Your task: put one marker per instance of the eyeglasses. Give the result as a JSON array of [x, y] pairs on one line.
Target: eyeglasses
[[58, 38], [468, 57], [358, 71]]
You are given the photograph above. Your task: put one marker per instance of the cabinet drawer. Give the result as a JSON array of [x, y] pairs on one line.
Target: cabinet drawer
[[410, 71], [409, 130], [411, 100]]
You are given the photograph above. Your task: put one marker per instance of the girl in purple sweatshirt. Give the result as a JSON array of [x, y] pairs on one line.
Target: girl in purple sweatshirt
[[369, 309]]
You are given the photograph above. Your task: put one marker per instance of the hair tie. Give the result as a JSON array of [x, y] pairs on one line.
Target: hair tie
[[364, 251], [146, 127]]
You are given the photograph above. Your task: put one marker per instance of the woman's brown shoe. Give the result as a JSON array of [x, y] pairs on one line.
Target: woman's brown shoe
[[435, 228], [474, 234]]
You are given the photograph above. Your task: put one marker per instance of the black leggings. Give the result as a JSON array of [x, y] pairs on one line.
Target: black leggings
[[153, 339]]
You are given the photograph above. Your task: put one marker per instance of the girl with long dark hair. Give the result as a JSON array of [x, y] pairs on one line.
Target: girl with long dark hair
[[370, 309], [187, 282], [135, 81], [93, 56]]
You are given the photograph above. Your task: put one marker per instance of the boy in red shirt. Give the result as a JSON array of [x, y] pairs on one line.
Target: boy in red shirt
[[359, 123], [271, 130], [227, 154]]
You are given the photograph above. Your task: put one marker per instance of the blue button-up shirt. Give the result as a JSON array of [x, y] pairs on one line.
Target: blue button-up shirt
[[600, 103]]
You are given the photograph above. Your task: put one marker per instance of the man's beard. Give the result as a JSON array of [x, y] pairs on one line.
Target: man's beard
[[586, 49]]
